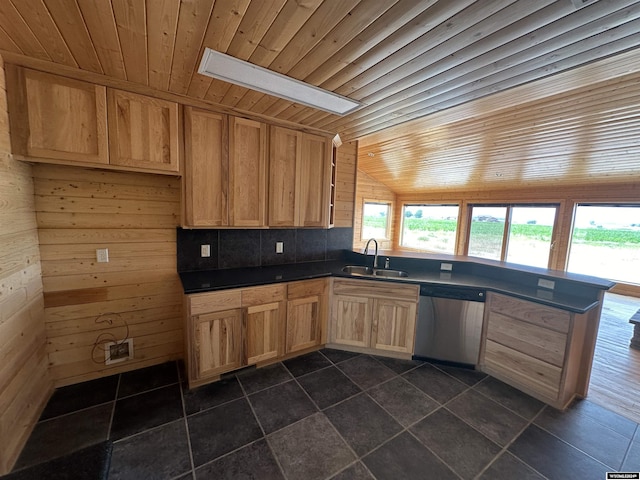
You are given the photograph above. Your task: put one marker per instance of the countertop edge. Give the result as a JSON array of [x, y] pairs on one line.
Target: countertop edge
[[247, 277]]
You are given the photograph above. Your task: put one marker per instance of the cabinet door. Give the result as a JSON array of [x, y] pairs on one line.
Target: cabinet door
[[394, 325], [262, 332], [247, 173], [143, 132], [57, 118], [206, 175], [351, 321], [217, 343], [285, 154], [315, 182], [303, 323]]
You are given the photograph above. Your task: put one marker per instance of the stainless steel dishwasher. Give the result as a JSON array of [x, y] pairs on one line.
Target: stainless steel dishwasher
[[449, 324]]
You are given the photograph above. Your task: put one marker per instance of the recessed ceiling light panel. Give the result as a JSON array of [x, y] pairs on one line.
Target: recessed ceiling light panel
[[230, 69]]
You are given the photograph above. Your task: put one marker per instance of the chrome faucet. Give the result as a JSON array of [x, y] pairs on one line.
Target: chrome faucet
[[375, 255]]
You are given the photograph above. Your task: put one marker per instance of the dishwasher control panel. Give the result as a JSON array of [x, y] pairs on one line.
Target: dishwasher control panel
[[457, 293]]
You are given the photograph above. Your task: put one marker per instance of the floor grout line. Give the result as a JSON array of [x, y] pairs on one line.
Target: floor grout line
[[504, 450]]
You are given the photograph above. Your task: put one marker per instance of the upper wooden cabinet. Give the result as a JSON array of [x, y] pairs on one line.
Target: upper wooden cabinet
[[315, 182], [225, 177], [299, 179], [206, 173], [143, 131], [247, 172], [56, 118], [285, 155]]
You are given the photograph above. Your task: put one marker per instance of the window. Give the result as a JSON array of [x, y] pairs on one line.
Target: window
[[487, 232], [512, 233], [606, 242], [375, 220], [430, 227]]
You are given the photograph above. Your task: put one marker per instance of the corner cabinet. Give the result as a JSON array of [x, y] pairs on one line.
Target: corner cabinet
[[543, 351], [373, 317], [55, 119]]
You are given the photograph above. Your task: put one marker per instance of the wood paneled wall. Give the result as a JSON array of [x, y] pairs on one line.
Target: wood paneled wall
[[346, 159], [25, 385], [133, 215], [368, 188]]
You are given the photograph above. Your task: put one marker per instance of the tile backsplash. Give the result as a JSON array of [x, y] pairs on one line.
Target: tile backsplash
[[235, 248]]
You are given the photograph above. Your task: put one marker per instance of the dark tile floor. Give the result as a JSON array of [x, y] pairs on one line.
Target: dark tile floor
[[331, 414]]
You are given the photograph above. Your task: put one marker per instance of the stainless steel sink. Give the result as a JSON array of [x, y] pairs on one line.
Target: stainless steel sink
[[362, 270], [357, 270], [391, 273]]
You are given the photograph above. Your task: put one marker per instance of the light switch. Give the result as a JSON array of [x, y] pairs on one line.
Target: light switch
[[102, 255], [205, 250], [279, 247]]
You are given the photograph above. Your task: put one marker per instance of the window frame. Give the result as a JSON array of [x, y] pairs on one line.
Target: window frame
[[427, 204], [387, 232], [507, 226], [569, 245]]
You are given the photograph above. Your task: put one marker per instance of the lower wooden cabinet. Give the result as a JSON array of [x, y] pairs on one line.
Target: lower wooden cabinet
[[306, 311], [217, 343], [229, 329], [375, 316], [541, 350], [394, 324], [263, 322], [232, 328], [351, 319]]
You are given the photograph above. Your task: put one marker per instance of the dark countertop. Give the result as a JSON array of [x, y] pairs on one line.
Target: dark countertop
[[576, 294], [210, 280]]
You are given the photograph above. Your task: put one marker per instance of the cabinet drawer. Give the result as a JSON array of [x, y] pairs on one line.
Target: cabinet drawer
[[306, 288], [539, 342], [542, 315], [370, 288], [262, 295], [200, 303], [526, 371]]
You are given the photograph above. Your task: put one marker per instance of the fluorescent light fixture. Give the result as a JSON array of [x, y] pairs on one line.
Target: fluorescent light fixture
[[230, 69]]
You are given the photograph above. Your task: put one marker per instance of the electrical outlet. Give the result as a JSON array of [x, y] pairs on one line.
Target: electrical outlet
[[120, 351], [544, 283], [102, 255], [205, 251], [446, 266], [279, 247]]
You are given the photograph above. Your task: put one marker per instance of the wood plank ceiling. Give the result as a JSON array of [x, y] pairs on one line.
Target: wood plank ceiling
[[404, 59]]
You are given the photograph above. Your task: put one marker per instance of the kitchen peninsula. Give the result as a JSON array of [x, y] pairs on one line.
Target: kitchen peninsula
[[539, 340]]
